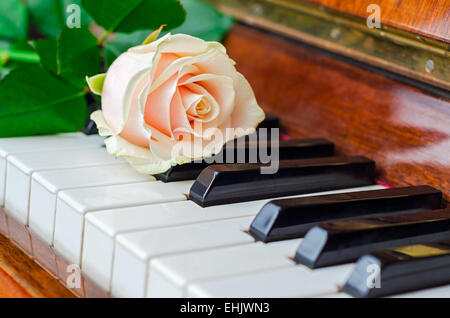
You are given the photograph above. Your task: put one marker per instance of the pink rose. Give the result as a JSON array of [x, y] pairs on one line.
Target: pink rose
[[163, 99]]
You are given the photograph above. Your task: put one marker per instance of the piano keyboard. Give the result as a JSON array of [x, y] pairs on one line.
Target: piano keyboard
[[306, 231]]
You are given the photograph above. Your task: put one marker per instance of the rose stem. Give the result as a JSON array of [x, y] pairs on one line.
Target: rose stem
[[17, 55]]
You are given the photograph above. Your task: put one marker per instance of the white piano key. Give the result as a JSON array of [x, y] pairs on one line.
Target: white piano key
[[102, 227], [63, 141], [436, 292], [21, 167], [73, 205], [134, 250], [294, 281], [45, 186], [18, 145], [169, 276]]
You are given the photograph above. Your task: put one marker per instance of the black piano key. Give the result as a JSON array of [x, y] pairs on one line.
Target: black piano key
[[401, 269], [229, 183], [270, 122], [291, 218], [288, 149], [187, 171], [344, 241], [90, 127], [264, 129]]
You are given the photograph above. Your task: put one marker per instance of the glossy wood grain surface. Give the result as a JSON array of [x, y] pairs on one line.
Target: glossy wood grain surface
[[9, 288], [405, 130], [430, 18]]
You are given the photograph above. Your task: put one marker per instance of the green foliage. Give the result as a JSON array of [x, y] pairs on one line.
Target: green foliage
[[122, 42], [13, 20], [20, 50], [46, 48], [202, 20], [36, 102], [74, 55], [132, 15], [4, 46], [50, 96], [50, 16]]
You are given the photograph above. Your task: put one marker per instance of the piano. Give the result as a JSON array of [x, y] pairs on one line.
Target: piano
[[358, 207]]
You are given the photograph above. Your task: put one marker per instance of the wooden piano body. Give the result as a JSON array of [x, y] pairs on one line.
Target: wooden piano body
[[398, 117]]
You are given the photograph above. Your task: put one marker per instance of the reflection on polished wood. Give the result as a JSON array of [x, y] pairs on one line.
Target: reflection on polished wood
[[20, 276], [9, 287], [20, 272], [405, 130], [430, 18]]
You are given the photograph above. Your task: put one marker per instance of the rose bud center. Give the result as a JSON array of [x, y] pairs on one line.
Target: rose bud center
[[203, 107]]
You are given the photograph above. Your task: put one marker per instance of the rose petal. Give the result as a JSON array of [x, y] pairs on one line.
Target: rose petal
[[215, 108], [197, 147], [134, 130], [188, 98], [118, 89], [218, 63], [140, 158], [149, 48], [157, 106], [183, 45], [102, 126], [182, 66], [247, 114], [150, 167], [178, 119], [162, 63], [161, 145], [221, 89], [150, 88]]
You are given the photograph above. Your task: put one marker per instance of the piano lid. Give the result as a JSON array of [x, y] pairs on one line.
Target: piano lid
[[412, 38], [427, 18]]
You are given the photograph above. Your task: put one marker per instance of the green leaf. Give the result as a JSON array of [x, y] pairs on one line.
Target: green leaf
[[74, 55], [4, 71], [14, 55], [50, 16], [4, 45], [96, 83], [131, 15], [46, 48], [202, 20], [13, 20], [121, 43], [35, 102], [78, 52]]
